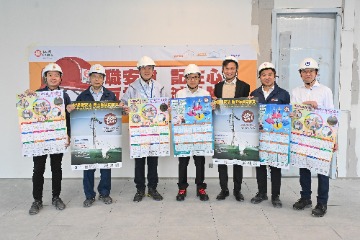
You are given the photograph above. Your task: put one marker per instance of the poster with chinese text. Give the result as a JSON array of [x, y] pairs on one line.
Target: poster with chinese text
[[236, 132], [149, 127], [313, 136], [96, 135], [275, 130], [42, 123], [192, 130]]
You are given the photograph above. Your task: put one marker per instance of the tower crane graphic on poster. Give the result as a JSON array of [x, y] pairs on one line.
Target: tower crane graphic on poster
[[313, 136], [275, 130], [192, 129], [96, 135], [236, 132], [42, 123], [149, 127]]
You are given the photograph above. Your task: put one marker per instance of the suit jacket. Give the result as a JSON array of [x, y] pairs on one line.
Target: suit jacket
[[242, 89]]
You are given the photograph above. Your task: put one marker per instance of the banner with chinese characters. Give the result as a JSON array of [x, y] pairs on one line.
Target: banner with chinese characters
[[96, 135], [236, 132], [42, 123], [192, 130], [313, 136], [149, 127], [275, 130], [120, 65]]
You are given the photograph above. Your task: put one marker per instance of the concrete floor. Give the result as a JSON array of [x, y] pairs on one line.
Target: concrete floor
[[169, 219]]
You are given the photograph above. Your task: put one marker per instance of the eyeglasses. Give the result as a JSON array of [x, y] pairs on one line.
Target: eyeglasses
[[193, 78], [306, 71]]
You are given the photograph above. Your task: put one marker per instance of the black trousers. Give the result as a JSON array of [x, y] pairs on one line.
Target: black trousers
[[200, 172], [237, 176], [38, 175], [261, 177], [152, 174]]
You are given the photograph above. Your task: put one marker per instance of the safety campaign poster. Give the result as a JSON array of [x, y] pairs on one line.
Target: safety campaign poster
[[149, 127], [42, 123], [236, 132], [96, 135], [313, 136], [275, 131], [192, 130]]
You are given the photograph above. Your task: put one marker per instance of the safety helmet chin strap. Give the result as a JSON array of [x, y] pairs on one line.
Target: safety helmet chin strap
[[192, 88], [310, 82]]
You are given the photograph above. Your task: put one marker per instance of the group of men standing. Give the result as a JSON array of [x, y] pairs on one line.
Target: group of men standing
[[311, 92]]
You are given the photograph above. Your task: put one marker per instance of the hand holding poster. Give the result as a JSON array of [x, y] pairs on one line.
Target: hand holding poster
[[236, 132], [96, 135], [313, 135], [275, 129], [192, 129], [149, 127], [42, 123]]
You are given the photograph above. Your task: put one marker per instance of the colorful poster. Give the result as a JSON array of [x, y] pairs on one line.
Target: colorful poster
[[313, 136], [42, 123], [192, 128], [96, 135], [275, 130], [236, 131], [149, 127]]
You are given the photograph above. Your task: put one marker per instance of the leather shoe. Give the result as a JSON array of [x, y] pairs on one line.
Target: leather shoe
[[223, 194], [238, 196]]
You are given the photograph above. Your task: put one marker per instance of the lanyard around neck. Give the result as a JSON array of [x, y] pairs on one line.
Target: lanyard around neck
[[151, 92]]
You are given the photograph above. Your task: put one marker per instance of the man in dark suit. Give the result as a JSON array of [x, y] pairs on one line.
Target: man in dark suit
[[231, 87]]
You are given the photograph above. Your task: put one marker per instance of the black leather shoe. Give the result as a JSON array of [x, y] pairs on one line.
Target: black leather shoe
[[276, 202], [302, 203], [223, 194], [181, 195], [319, 210], [238, 196], [152, 192], [202, 194], [259, 197]]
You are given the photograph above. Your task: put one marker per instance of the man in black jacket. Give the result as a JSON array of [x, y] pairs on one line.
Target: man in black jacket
[[231, 87], [52, 77], [96, 92], [269, 93]]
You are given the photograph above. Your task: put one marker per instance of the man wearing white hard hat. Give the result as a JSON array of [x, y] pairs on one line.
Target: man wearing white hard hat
[[52, 77], [269, 93], [97, 92], [145, 87], [316, 95], [231, 87], [192, 75]]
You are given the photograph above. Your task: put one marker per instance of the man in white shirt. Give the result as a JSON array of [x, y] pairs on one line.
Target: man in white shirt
[[145, 87], [192, 75], [317, 95]]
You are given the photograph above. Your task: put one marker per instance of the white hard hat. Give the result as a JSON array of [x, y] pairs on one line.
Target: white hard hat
[[231, 58], [191, 68], [308, 63], [145, 61], [97, 68], [52, 67], [266, 65]]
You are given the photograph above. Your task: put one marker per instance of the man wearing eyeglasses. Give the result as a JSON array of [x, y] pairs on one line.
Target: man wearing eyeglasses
[[316, 95], [192, 75], [96, 92], [231, 87], [145, 87]]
